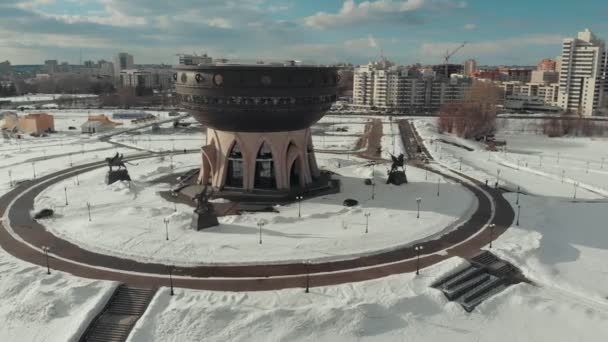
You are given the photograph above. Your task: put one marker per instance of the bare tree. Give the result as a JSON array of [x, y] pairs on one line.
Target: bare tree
[[475, 115]]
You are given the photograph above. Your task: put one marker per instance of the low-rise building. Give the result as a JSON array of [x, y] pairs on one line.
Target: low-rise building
[[530, 96], [92, 127], [37, 123]]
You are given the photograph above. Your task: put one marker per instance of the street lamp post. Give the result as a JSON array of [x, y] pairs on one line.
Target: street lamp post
[[497, 177], [10, 178], [77, 180], [299, 198], [460, 166], [438, 185], [517, 200], [46, 250], [260, 225], [373, 190], [89, 210], [34, 169], [65, 191], [171, 279], [307, 265], [575, 187], [518, 210], [166, 221], [418, 200], [491, 226], [367, 223], [418, 250]]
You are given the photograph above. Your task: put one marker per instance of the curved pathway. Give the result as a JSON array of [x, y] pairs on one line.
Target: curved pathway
[[28, 235]]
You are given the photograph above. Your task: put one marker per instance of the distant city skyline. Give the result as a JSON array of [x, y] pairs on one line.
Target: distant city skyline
[[407, 32]]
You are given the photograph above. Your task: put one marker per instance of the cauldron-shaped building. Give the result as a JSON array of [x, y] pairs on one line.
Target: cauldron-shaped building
[[258, 120]]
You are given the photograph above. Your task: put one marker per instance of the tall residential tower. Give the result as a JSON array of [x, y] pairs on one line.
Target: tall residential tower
[[582, 81]]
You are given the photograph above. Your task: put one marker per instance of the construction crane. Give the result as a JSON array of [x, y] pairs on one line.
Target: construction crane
[[448, 55]]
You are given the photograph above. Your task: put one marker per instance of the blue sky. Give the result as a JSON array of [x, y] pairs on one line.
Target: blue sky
[[323, 31]]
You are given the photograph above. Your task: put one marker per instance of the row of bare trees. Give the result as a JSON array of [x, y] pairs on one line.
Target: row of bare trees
[[568, 124], [475, 115]]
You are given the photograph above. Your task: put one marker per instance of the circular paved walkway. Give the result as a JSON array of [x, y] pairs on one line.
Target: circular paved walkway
[[463, 241]]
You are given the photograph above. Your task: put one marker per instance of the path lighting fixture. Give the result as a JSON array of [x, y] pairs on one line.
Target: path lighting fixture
[[497, 177], [517, 200], [65, 191], [170, 268], [367, 222], [10, 178], [166, 221], [307, 266], [575, 187], [34, 169], [418, 250], [46, 250], [373, 190], [89, 210], [261, 224], [299, 198], [518, 210], [438, 185], [418, 200]]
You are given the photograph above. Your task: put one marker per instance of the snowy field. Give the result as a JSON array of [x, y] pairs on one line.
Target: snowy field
[[395, 308], [35, 306], [132, 224], [561, 243], [43, 97], [538, 165]]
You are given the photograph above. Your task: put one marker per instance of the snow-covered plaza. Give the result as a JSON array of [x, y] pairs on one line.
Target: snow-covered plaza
[[560, 242]]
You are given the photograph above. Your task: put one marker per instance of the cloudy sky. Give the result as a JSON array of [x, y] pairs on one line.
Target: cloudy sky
[[324, 31]]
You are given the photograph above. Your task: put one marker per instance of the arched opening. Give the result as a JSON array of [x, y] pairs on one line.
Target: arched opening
[[234, 178], [265, 177], [294, 174]]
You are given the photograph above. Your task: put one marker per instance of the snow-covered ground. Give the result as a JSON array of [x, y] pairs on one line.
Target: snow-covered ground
[[35, 306], [43, 97], [530, 162], [129, 221], [395, 308]]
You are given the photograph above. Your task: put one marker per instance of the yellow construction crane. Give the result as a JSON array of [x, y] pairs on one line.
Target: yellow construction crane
[[448, 55]]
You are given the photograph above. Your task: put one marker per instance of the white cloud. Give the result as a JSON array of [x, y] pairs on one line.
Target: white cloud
[[470, 27], [371, 11], [491, 48]]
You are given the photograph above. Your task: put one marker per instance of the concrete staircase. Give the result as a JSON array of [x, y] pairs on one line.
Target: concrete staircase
[[487, 276], [119, 316]]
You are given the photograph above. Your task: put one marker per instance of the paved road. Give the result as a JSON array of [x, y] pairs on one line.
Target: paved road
[[463, 241]]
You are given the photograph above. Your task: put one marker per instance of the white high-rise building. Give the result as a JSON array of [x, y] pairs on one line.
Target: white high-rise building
[[470, 66], [582, 81], [383, 86], [122, 61]]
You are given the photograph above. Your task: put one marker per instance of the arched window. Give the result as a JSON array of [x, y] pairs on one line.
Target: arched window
[[265, 177], [234, 178]]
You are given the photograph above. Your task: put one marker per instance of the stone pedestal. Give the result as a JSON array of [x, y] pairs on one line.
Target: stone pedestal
[[117, 175], [397, 178], [204, 220]]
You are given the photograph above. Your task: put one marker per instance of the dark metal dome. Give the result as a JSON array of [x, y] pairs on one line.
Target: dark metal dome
[[256, 98]]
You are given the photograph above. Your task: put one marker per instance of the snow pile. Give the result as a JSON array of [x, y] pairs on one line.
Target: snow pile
[[395, 308], [40, 307]]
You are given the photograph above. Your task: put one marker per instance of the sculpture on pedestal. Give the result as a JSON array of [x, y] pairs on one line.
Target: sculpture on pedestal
[[396, 176], [121, 173]]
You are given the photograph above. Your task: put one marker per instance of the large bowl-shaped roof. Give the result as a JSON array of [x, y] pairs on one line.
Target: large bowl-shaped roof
[[256, 98]]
